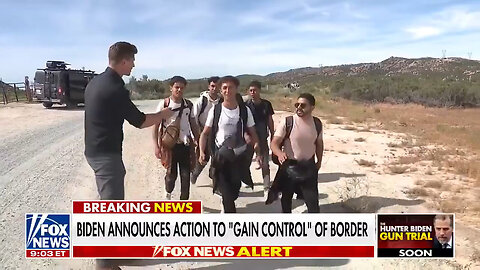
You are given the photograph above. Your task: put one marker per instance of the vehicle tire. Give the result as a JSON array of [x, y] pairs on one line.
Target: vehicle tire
[[47, 104]]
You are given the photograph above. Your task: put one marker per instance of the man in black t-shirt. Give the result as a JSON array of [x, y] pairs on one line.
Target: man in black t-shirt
[[262, 113], [107, 105]]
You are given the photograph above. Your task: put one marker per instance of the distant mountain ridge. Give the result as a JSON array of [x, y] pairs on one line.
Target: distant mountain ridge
[[388, 67]]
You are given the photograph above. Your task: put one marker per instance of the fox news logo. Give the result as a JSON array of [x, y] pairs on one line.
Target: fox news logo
[[49, 232]]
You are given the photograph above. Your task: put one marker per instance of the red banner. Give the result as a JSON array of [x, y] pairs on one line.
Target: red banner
[[223, 251]]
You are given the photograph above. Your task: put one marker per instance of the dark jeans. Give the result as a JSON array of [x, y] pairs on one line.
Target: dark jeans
[[180, 159], [199, 167], [229, 183], [228, 176], [308, 188], [110, 177], [264, 153]]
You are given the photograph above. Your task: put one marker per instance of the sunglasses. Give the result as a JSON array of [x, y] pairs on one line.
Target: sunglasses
[[300, 105]]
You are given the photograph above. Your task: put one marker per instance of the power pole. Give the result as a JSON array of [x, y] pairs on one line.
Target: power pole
[[444, 53]]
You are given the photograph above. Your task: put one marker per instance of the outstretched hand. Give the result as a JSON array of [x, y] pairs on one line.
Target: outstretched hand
[[166, 113]]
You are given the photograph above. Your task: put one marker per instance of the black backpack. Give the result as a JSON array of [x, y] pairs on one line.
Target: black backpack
[[289, 127]]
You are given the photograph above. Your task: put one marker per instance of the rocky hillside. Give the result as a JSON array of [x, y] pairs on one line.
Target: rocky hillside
[[459, 68]]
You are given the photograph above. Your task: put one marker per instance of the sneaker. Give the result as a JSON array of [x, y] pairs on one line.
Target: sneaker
[[168, 196]]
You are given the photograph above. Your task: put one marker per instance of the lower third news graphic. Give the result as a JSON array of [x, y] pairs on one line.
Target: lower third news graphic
[[416, 235]]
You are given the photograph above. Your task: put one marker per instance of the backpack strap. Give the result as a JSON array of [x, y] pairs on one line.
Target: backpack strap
[[203, 106], [217, 110], [243, 116], [318, 125], [288, 127], [189, 104]]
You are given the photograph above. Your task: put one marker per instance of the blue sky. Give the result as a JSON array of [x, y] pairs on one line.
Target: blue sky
[[211, 37]]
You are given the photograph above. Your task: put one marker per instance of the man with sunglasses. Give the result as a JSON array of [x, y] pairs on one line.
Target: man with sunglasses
[[208, 99], [262, 113], [296, 143]]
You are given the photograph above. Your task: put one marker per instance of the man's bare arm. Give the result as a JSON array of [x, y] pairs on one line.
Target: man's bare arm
[[203, 143], [156, 118], [271, 127], [252, 132], [319, 151], [195, 128]]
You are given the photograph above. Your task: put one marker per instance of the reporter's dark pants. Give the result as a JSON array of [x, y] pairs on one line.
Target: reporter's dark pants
[[110, 177], [180, 159]]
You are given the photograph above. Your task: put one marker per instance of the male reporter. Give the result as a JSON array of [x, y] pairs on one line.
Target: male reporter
[[107, 105]]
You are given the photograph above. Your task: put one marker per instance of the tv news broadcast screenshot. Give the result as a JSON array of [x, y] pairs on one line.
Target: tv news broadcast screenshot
[[309, 134]]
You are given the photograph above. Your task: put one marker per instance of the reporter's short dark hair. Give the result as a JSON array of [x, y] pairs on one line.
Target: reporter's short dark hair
[[176, 79], [229, 78], [255, 84], [213, 79], [309, 97], [121, 50]]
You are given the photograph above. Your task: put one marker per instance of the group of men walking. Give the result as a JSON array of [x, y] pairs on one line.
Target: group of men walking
[[221, 127]]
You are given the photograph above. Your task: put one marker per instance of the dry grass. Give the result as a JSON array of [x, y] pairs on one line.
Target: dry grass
[[365, 163], [429, 171], [353, 190], [334, 120], [419, 182], [343, 152], [365, 129], [396, 169], [393, 145], [434, 184], [475, 256], [457, 128], [349, 128], [359, 118], [452, 205], [418, 192], [407, 160], [360, 139]]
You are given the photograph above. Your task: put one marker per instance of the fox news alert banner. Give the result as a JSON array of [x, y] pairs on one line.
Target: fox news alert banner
[[142, 229], [415, 235]]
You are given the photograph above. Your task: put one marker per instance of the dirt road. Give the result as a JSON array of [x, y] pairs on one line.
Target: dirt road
[[42, 168]]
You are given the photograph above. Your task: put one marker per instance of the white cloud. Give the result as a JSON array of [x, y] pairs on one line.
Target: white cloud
[[449, 20], [424, 31]]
